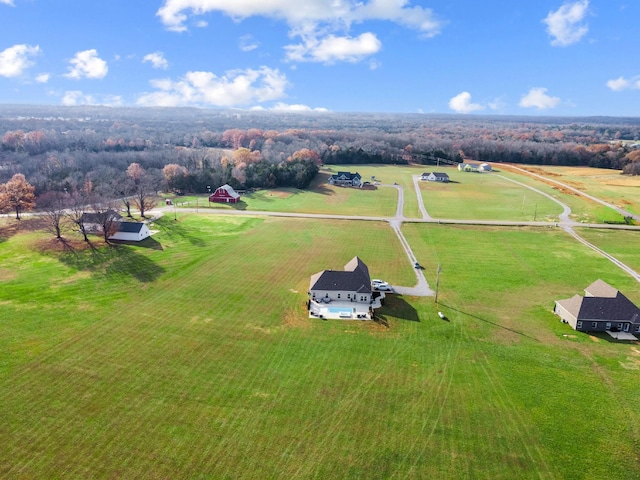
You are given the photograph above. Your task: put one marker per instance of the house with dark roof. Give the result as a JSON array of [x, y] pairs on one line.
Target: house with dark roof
[[343, 293], [93, 221], [131, 231], [602, 309], [435, 177], [346, 179]]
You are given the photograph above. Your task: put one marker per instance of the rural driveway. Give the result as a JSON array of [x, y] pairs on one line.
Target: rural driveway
[[422, 286], [620, 210]]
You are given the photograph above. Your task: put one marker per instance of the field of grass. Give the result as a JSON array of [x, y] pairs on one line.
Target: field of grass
[[608, 185], [390, 174], [485, 197], [582, 209], [319, 198], [191, 356]]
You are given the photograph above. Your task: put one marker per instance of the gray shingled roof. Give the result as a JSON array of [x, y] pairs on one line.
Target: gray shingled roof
[[618, 309], [354, 278], [130, 227]]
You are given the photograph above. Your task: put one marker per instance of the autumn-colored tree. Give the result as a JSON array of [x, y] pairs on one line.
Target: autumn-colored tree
[[307, 154], [173, 174], [245, 156], [17, 195], [135, 171]]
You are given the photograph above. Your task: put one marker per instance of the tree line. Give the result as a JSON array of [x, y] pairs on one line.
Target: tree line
[[60, 149]]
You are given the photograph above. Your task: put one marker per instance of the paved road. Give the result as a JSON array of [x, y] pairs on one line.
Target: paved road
[[416, 184]]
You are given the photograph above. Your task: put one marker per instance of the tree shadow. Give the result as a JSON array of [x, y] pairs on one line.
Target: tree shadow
[[7, 231], [114, 261], [487, 321], [178, 229]]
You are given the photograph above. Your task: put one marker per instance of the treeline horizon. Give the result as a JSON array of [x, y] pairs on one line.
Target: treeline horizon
[[61, 148]]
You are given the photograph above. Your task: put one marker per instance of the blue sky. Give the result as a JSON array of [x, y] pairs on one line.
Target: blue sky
[[543, 57]]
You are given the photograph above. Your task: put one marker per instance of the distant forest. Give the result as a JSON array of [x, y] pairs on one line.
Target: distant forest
[[185, 149]]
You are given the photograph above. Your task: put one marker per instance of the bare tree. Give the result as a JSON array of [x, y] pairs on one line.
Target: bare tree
[[106, 217], [143, 197], [54, 204]]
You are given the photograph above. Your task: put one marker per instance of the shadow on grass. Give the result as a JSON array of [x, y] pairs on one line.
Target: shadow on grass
[[148, 242], [117, 260], [397, 307], [488, 321], [178, 229]]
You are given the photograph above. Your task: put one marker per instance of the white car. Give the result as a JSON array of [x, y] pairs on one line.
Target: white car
[[381, 286]]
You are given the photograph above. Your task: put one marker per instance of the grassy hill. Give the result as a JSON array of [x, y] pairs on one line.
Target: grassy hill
[[194, 357]]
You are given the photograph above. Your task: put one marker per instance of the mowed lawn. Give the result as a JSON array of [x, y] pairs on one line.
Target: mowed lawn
[[485, 196], [319, 198], [191, 356]]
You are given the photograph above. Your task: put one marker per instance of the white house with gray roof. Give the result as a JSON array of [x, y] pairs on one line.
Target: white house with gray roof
[[343, 293]]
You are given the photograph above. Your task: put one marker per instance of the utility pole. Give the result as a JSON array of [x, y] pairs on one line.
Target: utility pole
[[438, 281]]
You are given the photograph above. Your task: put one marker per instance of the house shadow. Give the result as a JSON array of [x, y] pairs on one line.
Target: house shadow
[[148, 242], [396, 306], [115, 261], [486, 321]]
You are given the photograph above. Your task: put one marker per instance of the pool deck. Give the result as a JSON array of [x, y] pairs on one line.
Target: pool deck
[[337, 310]]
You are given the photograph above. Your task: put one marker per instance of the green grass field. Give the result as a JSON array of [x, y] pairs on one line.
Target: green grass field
[[485, 197], [191, 356]]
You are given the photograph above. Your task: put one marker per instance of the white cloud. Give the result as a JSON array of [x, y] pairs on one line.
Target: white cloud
[[76, 97], [565, 26], [248, 43], [174, 13], [8, 2], [461, 103], [323, 25], [537, 97], [234, 88], [331, 49], [157, 60], [622, 83], [284, 107], [87, 64], [15, 60], [43, 77]]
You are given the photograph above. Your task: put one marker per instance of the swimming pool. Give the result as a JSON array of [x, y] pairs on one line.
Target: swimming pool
[[343, 312]]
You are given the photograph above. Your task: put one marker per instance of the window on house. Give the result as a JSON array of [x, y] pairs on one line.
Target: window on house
[[338, 295], [594, 324], [578, 325], [637, 328], [608, 325]]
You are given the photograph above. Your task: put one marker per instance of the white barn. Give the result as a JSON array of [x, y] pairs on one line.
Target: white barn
[[131, 231]]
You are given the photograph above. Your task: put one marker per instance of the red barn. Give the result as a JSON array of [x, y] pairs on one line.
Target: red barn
[[225, 194]]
